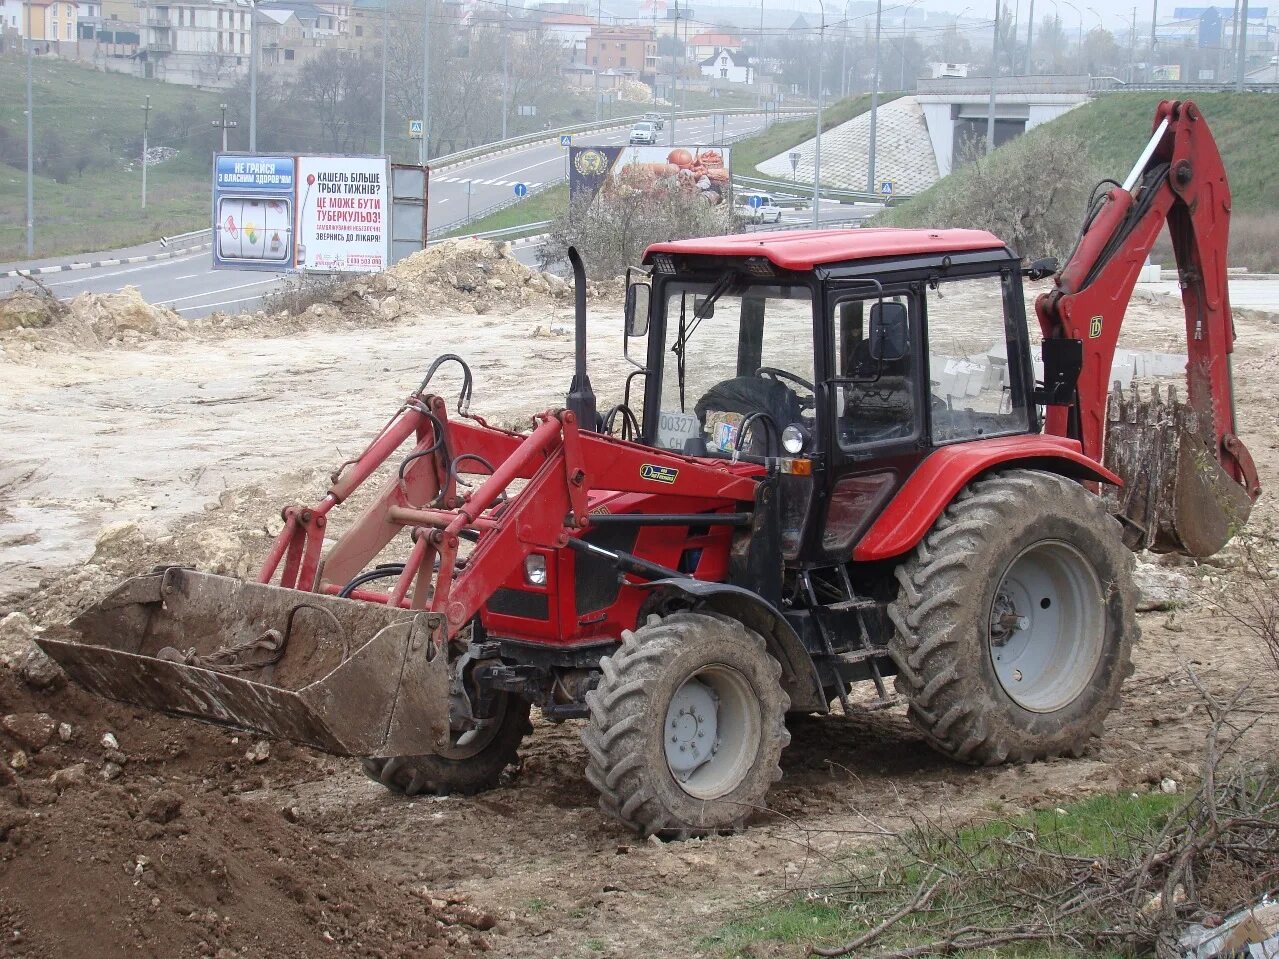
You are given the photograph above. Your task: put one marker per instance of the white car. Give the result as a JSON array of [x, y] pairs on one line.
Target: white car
[[759, 208], [644, 132]]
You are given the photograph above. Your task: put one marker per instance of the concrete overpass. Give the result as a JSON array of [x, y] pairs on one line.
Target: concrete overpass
[[955, 109]]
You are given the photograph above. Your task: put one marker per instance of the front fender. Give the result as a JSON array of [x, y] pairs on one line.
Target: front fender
[[940, 477], [799, 674]]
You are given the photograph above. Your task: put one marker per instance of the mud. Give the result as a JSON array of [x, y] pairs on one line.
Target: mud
[[176, 451]]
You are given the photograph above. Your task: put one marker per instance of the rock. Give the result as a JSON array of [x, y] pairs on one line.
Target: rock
[[109, 741], [1168, 786], [496, 284], [16, 633], [64, 732], [33, 730], [40, 672], [18, 760], [76, 775], [114, 540], [164, 807], [1159, 588], [259, 752], [111, 771]]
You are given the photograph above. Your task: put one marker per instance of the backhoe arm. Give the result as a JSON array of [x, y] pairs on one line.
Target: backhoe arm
[[1179, 181]]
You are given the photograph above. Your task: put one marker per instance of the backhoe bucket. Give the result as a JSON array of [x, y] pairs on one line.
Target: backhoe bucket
[[346, 677], [1176, 498]]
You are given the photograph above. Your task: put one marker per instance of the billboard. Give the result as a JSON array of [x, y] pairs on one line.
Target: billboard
[[342, 214], [323, 214], [253, 212], [702, 173]]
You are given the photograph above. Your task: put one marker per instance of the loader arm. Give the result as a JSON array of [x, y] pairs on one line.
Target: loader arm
[[1179, 181]]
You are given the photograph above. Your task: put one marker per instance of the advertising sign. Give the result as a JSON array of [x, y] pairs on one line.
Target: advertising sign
[[253, 212], [343, 214], [325, 214], [701, 173]]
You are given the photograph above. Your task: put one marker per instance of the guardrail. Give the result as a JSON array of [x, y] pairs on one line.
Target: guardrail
[[547, 184], [827, 193], [528, 139], [194, 238]]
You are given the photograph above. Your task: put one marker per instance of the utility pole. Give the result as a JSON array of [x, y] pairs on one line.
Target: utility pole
[[381, 139], [1132, 46], [31, 153], [1241, 58], [874, 102], [1030, 39], [146, 126], [843, 61], [1154, 37], [817, 144], [506, 71], [225, 125], [253, 76], [674, 70], [423, 145], [994, 81]]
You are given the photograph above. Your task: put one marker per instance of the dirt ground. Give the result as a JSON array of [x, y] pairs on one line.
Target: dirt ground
[[173, 839]]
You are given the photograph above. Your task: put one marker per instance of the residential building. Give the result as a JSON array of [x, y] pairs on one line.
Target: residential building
[[572, 29], [50, 25], [730, 65], [938, 71], [12, 18], [195, 42], [625, 50], [704, 45]]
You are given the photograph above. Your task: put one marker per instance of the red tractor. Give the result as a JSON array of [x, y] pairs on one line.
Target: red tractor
[[834, 464]]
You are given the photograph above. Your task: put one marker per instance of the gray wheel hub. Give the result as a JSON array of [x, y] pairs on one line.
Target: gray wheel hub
[[1047, 626], [713, 732]]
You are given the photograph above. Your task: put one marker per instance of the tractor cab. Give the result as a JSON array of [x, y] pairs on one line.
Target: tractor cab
[[842, 358]]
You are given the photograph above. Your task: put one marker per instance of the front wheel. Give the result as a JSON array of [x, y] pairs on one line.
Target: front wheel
[[1015, 621], [686, 726]]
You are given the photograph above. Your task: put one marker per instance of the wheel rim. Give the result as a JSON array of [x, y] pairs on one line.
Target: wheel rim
[[712, 732], [465, 744], [1047, 626]]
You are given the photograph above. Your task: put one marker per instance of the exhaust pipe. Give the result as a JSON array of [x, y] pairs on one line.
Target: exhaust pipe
[[581, 397]]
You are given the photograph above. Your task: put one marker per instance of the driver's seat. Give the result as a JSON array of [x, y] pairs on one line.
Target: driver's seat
[[744, 395]]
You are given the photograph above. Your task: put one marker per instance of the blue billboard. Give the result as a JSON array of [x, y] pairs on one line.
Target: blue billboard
[[253, 211]]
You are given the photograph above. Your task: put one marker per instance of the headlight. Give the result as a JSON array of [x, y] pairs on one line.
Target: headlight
[[794, 439], [535, 570]]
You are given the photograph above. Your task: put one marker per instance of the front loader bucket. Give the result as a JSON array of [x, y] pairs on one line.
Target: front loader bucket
[[346, 677], [1176, 498]]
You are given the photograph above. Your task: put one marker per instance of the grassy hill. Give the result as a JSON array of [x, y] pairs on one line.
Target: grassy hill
[[88, 127]]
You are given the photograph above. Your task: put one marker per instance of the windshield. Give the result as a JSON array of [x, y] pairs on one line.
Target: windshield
[[744, 361]]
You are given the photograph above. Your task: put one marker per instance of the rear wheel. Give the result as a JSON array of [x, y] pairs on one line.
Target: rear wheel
[[1015, 621], [686, 726], [473, 761]]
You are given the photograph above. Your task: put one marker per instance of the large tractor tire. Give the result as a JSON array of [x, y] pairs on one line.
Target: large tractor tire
[[473, 762], [1015, 621], [686, 726]]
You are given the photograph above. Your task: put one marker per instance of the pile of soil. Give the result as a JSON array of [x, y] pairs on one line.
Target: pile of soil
[[90, 319], [161, 831]]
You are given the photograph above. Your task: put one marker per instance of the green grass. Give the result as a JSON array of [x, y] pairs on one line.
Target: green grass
[[98, 113], [544, 205], [780, 137], [1104, 827], [1116, 127]]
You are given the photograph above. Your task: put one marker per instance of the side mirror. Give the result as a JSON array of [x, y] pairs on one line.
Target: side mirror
[[889, 332], [638, 300]]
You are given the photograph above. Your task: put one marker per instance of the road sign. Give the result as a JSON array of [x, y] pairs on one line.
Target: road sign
[[566, 139], [754, 202], [521, 189], [794, 161], [885, 187], [415, 129]]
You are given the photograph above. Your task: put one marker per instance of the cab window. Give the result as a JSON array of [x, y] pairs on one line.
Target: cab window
[[877, 370]]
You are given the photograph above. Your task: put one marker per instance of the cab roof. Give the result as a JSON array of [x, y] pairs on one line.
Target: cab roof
[[805, 249]]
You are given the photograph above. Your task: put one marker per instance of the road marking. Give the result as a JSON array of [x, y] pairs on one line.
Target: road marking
[[191, 276], [209, 306], [444, 200], [225, 289], [135, 269]]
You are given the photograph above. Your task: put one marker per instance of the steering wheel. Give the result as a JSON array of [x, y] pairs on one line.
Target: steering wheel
[[780, 375]]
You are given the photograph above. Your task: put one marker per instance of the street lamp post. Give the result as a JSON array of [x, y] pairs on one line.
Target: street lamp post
[[146, 126], [423, 145], [31, 193], [381, 140], [994, 82], [874, 100], [253, 76], [817, 144]]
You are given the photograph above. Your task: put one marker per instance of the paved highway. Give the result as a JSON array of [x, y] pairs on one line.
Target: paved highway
[[190, 285]]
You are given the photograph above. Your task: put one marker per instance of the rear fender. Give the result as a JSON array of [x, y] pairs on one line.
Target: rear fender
[[799, 674], [940, 477]]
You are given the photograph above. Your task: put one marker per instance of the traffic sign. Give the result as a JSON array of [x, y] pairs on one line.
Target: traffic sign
[[521, 189], [415, 129], [885, 187], [566, 139], [754, 202]]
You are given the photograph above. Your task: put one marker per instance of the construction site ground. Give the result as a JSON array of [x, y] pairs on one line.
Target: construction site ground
[[126, 833]]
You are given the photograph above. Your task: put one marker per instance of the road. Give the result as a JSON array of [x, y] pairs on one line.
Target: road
[[190, 285]]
